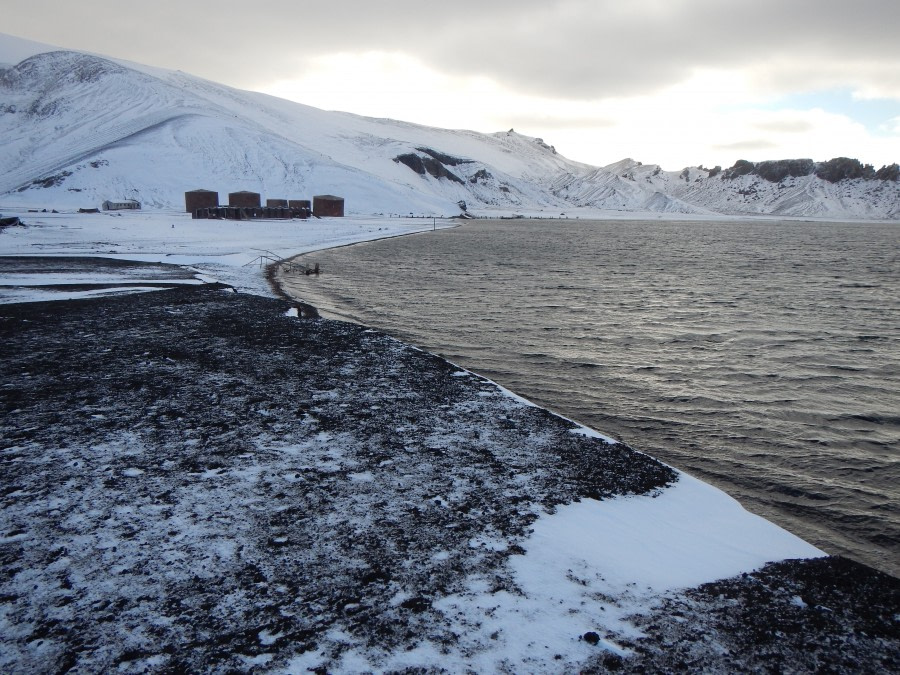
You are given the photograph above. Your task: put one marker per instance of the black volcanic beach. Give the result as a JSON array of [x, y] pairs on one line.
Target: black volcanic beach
[[195, 479], [760, 356]]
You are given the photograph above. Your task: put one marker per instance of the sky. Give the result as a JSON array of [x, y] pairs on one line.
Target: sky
[[669, 82]]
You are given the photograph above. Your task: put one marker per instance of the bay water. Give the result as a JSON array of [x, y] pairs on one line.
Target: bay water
[[761, 356]]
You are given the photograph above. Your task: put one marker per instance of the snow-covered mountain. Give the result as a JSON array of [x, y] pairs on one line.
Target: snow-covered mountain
[[78, 129]]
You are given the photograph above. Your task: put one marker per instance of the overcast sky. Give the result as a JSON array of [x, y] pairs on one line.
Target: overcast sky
[[672, 82]]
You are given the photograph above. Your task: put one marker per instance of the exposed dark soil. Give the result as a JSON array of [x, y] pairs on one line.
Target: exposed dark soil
[[827, 615], [187, 470]]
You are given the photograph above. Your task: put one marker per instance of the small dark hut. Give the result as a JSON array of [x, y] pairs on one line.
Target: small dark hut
[[200, 199], [328, 205], [245, 199]]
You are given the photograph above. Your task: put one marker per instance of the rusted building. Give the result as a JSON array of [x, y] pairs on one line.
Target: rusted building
[[200, 199], [244, 198], [277, 202], [300, 208], [328, 205]]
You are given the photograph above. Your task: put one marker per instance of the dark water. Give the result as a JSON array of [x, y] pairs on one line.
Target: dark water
[[763, 357]]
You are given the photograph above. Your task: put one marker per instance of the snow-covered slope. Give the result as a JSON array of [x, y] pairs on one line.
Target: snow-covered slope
[[78, 129], [623, 184]]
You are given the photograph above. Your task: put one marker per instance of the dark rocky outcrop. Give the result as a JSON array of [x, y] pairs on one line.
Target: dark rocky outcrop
[[430, 165], [777, 170], [833, 171], [443, 158], [481, 174], [841, 168], [413, 161], [741, 168], [889, 172]]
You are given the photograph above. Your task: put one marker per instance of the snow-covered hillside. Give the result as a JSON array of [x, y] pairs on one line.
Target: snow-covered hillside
[[625, 184], [78, 129]]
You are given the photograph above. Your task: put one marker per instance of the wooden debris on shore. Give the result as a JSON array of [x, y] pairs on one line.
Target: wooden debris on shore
[[281, 264]]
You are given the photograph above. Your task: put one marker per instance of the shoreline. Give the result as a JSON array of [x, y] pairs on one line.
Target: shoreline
[[379, 505], [229, 487], [817, 530], [273, 272]]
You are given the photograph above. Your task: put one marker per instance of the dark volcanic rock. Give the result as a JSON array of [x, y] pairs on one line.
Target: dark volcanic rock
[[778, 170], [413, 161], [438, 170], [843, 168], [481, 174], [430, 165], [193, 480], [826, 615], [444, 158], [742, 167], [889, 172]]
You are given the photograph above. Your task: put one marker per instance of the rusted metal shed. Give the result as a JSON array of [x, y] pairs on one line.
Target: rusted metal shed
[[328, 205], [200, 199], [277, 202], [244, 198]]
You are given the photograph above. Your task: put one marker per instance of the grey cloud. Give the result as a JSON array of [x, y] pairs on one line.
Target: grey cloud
[[587, 49]]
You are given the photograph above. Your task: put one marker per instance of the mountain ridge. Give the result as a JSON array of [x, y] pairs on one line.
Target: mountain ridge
[[80, 128]]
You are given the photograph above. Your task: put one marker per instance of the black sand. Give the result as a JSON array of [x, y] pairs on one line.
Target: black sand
[[192, 479]]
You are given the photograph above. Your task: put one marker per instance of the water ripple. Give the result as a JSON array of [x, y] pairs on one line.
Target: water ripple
[[761, 356]]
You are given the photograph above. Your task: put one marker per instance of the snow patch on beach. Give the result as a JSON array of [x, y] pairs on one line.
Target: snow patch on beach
[[592, 567]]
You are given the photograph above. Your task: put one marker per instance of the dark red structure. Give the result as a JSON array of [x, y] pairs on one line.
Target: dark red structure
[[245, 199], [273, 203], [328, 205], [300, 204], [200, 199]]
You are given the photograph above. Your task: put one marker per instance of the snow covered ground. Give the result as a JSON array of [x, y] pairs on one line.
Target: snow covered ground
[[558, 547], [232, 252]]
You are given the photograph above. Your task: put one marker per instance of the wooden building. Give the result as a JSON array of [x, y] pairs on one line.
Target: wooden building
[[200, 199], [328, 205], [122, 204], [277, 203], [244, 198]]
